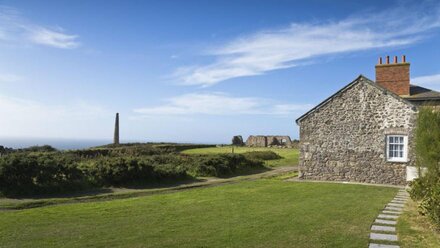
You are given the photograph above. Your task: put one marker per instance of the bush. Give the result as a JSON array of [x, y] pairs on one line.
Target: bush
[[419, 189], [23, 174], [426, 189], [222, 165], [45, 171], [44, 148], [126, 171], [262, 155]]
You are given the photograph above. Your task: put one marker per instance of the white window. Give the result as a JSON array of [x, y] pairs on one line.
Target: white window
[[397, 148]]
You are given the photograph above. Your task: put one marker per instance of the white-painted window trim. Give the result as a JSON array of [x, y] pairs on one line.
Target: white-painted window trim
[[397, 148]]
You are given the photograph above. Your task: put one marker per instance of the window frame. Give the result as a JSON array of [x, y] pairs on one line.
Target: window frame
[[404, 158]]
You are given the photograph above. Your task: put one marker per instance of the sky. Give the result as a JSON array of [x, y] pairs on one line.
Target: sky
[[195, 71]]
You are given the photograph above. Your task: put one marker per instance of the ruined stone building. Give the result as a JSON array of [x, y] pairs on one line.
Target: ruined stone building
[[266, 141], [365, 131]]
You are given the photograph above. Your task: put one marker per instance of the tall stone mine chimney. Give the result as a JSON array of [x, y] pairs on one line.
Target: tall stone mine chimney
[[394, 76], [116, 136]]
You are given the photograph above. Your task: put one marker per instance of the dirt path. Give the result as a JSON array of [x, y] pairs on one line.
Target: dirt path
[[122, 193]]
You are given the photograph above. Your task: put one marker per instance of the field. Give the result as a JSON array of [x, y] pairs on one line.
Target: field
[[261, 213], [290, 155]]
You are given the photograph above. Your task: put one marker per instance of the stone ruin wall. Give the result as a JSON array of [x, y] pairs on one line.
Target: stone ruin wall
[[268, 141], [256, 141], [345, 139]]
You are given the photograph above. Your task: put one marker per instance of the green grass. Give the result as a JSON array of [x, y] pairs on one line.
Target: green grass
[[290, 155], [415, 230], [261, 213]]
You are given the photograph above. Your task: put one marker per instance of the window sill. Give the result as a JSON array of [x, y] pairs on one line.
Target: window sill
[[396, 161]]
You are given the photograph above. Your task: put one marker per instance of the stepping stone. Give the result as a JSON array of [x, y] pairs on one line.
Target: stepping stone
[[382, 246], [387, 216], [396, 205], [383, 228], [391, 212], [386, 222], [381, 236], [401, 200], [393, 208]]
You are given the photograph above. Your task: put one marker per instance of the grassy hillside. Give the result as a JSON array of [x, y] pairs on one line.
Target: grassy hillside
[[262, 213], [290, 155]]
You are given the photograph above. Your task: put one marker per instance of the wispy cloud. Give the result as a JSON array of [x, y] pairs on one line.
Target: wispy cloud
[[427, 80], [269, 50], [57, 39], [220, 104], [16, 28], [9, 78]]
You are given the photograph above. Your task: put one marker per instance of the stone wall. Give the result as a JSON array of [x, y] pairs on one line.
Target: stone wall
[[257, 141], [237, 140], [345, 139], [269, 140]]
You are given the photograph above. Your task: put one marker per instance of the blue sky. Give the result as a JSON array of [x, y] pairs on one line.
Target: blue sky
[[195, 71]]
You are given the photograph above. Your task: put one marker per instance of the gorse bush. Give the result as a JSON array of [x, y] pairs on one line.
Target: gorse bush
[[222, 165], [23, 174], [262, 155], [30, 172], [125, 171], [426, 189]]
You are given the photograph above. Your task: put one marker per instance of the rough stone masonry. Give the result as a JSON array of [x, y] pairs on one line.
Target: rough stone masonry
[[268, 140], [344, 139]]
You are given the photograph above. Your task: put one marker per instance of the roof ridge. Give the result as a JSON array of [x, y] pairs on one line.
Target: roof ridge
[[360, 78]]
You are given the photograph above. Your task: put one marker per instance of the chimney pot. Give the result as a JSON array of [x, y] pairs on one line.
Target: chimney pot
[[388, 60], [395, 59], [380, 60], [403, 59]]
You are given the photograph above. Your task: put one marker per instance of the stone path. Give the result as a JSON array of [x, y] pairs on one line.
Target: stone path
[[383, 231]]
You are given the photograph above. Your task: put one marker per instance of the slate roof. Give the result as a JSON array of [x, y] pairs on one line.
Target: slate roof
[[419, 93], [361, 78]]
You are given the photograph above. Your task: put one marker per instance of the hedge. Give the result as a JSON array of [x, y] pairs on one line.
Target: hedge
[[426, 189], [32, 173]]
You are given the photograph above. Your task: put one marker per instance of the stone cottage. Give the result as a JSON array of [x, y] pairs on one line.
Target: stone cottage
[[365, 131]]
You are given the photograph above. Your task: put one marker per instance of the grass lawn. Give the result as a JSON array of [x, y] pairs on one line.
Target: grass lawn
[[290, 155], [416, 230], [261, 213]]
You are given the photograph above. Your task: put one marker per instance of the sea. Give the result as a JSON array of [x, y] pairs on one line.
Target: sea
[[60, 144]]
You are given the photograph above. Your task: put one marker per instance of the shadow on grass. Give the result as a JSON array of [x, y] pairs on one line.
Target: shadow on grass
[[246, 172]]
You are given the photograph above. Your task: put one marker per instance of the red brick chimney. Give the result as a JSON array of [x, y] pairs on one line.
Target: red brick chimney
[[395, 76]]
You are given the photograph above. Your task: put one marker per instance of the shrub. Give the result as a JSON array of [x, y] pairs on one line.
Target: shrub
[[23, 174], [419, 189], [262, 155], [426, 189], [221, 165], [126, 171], [44, 148]]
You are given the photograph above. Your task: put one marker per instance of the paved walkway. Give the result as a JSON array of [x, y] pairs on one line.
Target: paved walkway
[[383, 231]]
